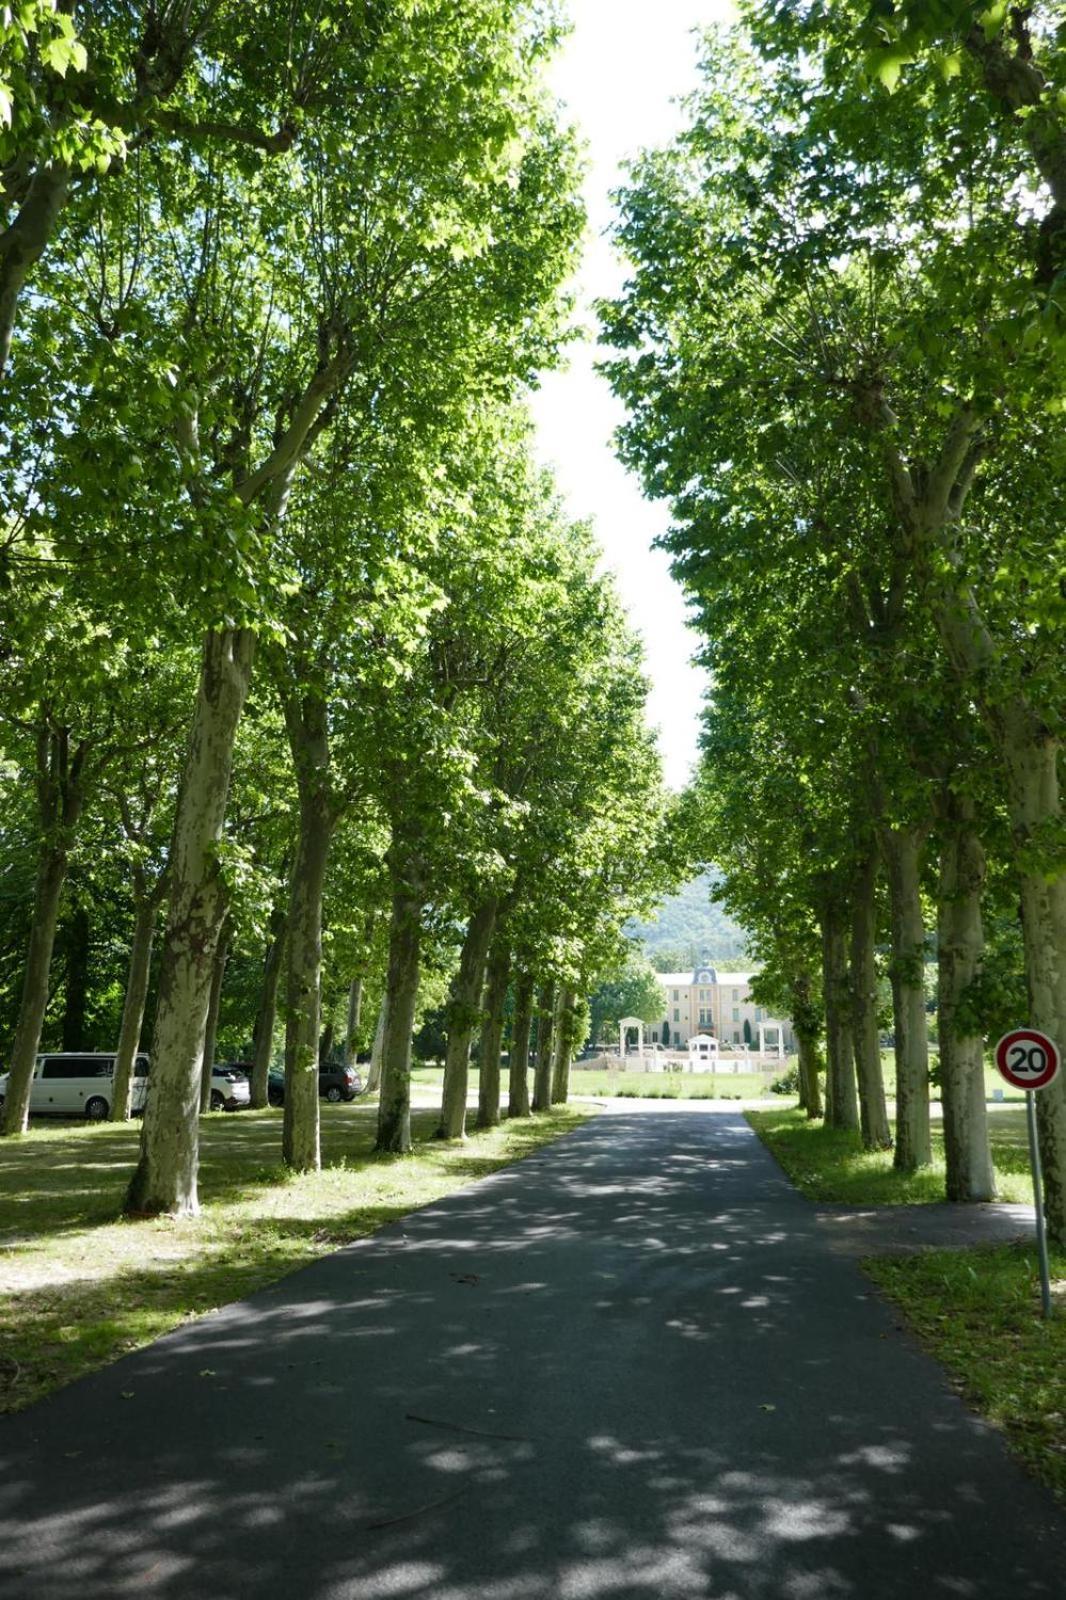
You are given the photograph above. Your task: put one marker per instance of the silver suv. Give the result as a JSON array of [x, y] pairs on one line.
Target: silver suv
[[230, 1088], [70, 1084]]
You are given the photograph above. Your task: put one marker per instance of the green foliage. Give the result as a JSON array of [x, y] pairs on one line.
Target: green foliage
[[634, 992]]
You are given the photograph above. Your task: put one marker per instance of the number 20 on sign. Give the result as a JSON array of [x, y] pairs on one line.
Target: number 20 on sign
[[1030, 1060]]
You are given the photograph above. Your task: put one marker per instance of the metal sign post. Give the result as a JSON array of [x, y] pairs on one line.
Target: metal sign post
[[1030, 1060]]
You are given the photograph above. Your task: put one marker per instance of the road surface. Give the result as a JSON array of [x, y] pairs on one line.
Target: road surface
[[632, 1367]]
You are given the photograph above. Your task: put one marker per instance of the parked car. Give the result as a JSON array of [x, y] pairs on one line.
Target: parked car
[[230, 1088], [334, 1083], [69, 1084]]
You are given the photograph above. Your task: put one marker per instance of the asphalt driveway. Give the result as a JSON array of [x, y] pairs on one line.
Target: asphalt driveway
[[631, 1366]]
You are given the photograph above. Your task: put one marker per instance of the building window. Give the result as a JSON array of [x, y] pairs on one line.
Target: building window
[[677, 1014], [736, 1013], [705, 1017], [677, 995], [758, 1013]]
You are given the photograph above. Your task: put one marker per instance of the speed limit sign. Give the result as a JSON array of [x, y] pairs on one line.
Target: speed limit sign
[[1027, 1059]]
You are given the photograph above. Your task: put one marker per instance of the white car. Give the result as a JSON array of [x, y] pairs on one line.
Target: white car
[[69, 1084], [230, 1088]]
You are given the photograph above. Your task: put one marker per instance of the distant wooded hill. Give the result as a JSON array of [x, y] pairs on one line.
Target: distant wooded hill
[[689, 926]]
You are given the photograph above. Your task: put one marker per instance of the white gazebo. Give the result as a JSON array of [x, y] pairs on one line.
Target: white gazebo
[[624, 1025], [702, 1052]]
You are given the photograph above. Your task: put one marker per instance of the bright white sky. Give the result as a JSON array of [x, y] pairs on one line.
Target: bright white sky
[[623, 67]]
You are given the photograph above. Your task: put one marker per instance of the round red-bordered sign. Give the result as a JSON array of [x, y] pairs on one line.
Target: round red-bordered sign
[[1027, 1059]]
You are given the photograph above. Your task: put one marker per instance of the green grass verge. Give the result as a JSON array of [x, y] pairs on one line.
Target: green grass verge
[[632, 1085], [831, 1165], [978, 1312], [80, 1285]]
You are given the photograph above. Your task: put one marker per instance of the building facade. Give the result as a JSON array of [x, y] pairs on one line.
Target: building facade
[[717, 1003]]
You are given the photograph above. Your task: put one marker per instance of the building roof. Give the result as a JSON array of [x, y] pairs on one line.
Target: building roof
[[682, 980]]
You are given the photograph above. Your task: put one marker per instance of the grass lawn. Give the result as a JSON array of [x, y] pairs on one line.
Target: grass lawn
[[671, 1085], [79, 1285], [978, 1311], [639, 1085], [831, 1165]]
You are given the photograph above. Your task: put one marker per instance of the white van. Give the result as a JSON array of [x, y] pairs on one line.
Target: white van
[[79, 1085]]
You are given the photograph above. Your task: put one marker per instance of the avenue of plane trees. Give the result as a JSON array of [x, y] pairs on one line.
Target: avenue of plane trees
[[841, 348], [304, 673]]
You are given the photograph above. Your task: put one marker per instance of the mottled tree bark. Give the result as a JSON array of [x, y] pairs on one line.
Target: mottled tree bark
[[902, 851], [405, 933], [960, 952], [214, 1000], [565, 1026], [266, 1015], [300, 1141], [497, 976], [354, 1019], [518, 1076], [873, 1113], [542, 1075], [464, 1014], [146, 910], [165, 1178], [24, 240], [1036, 818], [805, 1023], [373, 1077], [842, 1101], [60, 797]]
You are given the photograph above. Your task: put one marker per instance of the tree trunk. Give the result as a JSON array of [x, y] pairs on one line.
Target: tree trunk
[[51, 876], [497, 976], [842, 1103], [542, 1076], [373, 1077], [355, 1012], [565, 1024], [266, 1016], [518, 1076], [802, 1084], [873, 1113], [146, 909], [960, 951], [165, 1178], [805, 1022], [300, 1142], [405, 935], [463, 1014], [60, 778], [214, 1000], [902, 849], [808, 1074], [76, 998], [25, 240], [1033, 798]]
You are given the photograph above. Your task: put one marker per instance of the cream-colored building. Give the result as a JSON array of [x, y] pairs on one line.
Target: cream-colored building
[[716, 1003]]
